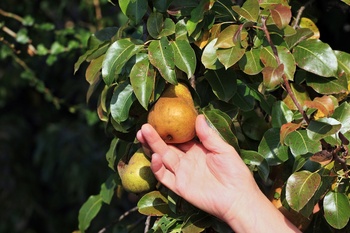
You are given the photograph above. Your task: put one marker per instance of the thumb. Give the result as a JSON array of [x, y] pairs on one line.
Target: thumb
[[210, 139]]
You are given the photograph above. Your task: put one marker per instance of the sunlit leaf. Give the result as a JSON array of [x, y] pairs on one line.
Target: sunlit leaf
[[88, 211], [308, 23], [271, 148], [287, 129], [322, 128], [281, 15], [272, 77], [250, 62], [222, 82], [209, 56], [93, 69], [281, 114], [153, 204], [142, 78], [229, 57], [197, 15], [122, 99], [253, 158], [134, 9], [342, 114], [161, 56], [226, 38], [249, 10], [336, 209], [316, 57], [301, 187], [343, 64], [300, 35], [304, 145], [327, 85], [185, 57]]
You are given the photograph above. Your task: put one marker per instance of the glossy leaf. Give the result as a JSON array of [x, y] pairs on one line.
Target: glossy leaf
[[197, 15], [327, 86], [270, 3], [336, 208], [134, 9], [222, 82], [250, 62], [304, 145], [300, 35], [322, 128], [281, 15], [343, 63], [185, 57], [155, 24], [281, 114], [153, 204], [286, 58], [108, 188], [300, 188], [243, 97], [249, 10], [253, 158], [93, 69], [271, 148], [342, 114], [324, 104], [272, 77], [121, 101], [316, 57], [226, 39], [142, 79], [88, 211], [308, 23], [229, 57], [111, 154], [116, 57], [300, 94], [221, 123], [161, 56], [287, 129], [209, 57]]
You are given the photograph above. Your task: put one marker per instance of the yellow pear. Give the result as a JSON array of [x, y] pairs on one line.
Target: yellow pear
[[136, 175], [173, 115]]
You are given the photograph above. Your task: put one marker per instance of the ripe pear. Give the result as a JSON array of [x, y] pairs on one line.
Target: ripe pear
[[136, 176], [173, 116]]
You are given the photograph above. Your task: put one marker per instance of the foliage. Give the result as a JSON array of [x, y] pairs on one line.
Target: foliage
[[261, 76]]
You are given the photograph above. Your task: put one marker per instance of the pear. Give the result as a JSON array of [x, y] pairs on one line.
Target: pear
[[136, 176], [174, 114]]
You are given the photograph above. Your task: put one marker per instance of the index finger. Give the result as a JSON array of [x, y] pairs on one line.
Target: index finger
[[154, 141]]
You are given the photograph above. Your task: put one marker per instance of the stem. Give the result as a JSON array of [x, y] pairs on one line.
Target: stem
[[300, 12], [11, 15]]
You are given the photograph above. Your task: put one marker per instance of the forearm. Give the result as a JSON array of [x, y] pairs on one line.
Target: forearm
[[259, 215]]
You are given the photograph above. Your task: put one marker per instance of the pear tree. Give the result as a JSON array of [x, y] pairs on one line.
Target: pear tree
[[260, 74]]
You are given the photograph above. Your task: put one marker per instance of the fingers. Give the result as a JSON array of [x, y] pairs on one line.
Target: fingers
[[161, 173], [210, 138]]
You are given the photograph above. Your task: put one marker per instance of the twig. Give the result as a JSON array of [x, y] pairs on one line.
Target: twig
[[98, 13], [147, 224], [11, 15], [300, 12], [119, 219]]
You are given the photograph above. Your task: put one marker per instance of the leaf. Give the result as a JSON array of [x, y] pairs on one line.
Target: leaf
[[287, 129], [343, 63], [346, 2], [322, 128], [226, 38], [185, 57], [324, 104], [221, 123], [134, 9], [209, 57], [272, 77], [300, 188], [161, 56], [249, 10], [154, 24], [255, 159], [336, 209], [316, 57], [153, 204], [197, 222], [111, 154], [342, 114], [121, 101], [142, 79], [281, 114], [116, 57], [250, 62], [229, 57], [108, 188], [271, 148], [327, 86], [88, 211], [300, 35], [93, 69], [281, 15], [300, 143], [197, 15], [243, 98], [308, 23], [222, 82]]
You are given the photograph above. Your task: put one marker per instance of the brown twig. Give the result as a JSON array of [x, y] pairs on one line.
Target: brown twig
[[98, 13], [299, 14], [11, 15]]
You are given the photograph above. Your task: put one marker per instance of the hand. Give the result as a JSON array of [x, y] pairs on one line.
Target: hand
[[209, 174]]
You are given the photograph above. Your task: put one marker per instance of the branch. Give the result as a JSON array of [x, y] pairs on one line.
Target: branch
[[119, 219], [300, 12], [11, 15]]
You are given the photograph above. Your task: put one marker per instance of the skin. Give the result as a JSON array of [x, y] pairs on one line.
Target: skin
[[182, 167]]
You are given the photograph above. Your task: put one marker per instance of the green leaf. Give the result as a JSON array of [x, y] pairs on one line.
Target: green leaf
[[336, 208], [221, 123], [272, 77], [134, 9], [249, 10], [343, 64], [223, 83], [116, 57], [93, 69], [142, 79], [281, 114], [111, 154], [253, 158], [250, 62], [226, 38], [155, 24], [324, 85], [271, 148], [301, 187], [185, 57], [121, 101], [209, 57], [88, 211], [22, 36], [197, 222], [300, 35], [322, 128], [270, 3], [316, 57], [161, 56], [243, 98], [161, 5], [281, 15], [342, 114], [229, 57], [197, 15], [300, 143], [108, 188], [346, 2], [153, 204]]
